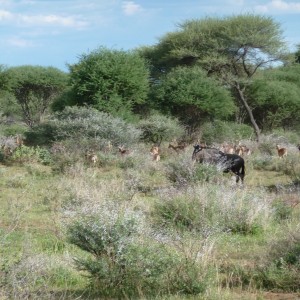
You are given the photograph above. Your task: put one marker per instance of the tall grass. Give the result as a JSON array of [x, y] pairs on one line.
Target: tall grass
[[209, 208], [131, 227]]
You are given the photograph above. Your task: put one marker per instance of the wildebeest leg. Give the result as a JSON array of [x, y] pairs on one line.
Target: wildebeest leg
[[238, 176]]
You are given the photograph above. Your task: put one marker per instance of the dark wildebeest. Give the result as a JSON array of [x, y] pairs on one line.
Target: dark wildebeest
[[227, 162]]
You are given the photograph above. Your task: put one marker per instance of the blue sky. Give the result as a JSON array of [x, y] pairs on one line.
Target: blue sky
[[56, 32]]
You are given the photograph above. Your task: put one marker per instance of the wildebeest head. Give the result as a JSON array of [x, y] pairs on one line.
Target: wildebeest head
[[226, 162]]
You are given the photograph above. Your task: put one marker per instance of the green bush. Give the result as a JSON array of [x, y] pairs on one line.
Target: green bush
[[39, 135], [84, 126], [282, 272], [286, 136], [262, 162], [291, 167], [278, 270], [125, 260], [13, 129], [220, 131], [28, 154], [207, 208], [282, 210], [83, 122], [181, 171], [158, 128]]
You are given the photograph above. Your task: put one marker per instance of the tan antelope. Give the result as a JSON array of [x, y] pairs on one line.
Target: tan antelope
[[227, 149], [123, 151], [19, 140], [282, 152], [155, 153], [91, 156], [242, 150]]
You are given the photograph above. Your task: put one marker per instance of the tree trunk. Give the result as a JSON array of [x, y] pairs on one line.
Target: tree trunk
[[249, 110]]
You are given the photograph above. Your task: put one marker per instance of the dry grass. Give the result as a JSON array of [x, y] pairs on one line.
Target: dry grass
[[35, 204]]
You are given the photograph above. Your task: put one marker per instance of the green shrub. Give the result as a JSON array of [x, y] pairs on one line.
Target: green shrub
[[220, 131], [13, 129], [207, 208], [181, 171], [126, 260], [282, 210], [158, 128], [41, 134], [30, 154], [262, 162], [127, 162], [84, 124], [207, 173], [281, 270], [291, 167], [286, 136], [278, 270]]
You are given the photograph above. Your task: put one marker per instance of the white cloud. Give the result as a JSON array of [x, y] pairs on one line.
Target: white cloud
[[5, 2], [130, 8], [52, 20], [5, 15], [20, 43], [237, 2], [55, 20], [279, 6]]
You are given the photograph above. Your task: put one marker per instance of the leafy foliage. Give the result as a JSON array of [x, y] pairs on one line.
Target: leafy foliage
[[158, 128], [111, 81], [232, 49], [35, 88], [121, 263], [30, 154], [190, 95], [210, 209], [276, 97], [82, 124], [220, 131]]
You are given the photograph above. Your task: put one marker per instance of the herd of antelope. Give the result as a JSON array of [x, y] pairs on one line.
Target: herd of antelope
[[10, 144]]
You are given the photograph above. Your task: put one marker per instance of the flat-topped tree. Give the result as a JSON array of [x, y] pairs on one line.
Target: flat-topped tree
[[35, 88], [232, 49]]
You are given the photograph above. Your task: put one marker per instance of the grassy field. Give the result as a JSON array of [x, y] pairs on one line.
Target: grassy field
[[236, 236]]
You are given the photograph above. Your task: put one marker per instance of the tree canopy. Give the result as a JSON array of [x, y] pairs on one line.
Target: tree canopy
[[34, 88], [275, 97], [113, 81], [232, 49], [190, 95]]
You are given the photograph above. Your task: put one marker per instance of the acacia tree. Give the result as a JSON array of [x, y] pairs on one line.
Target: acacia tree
[[190, 95], [275, 97], [8, 105], [35, 88], [232, 49], [112, 81]]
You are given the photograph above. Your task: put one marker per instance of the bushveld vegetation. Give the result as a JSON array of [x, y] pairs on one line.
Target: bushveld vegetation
[[129, 226], [125, 225]]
